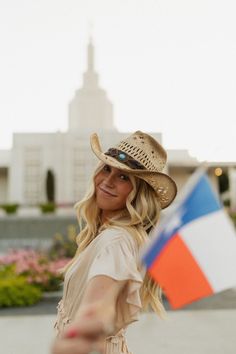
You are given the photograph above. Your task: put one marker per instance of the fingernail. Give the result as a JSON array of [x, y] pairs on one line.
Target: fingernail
[[71, 333]]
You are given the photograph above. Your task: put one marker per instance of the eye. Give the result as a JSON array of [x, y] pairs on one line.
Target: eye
[[124, 177], [106, 168]]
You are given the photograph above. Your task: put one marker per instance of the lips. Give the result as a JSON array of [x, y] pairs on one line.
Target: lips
[[105, 191]]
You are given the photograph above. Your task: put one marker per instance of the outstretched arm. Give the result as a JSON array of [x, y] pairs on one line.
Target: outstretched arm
[[95, 319], [102, 293]]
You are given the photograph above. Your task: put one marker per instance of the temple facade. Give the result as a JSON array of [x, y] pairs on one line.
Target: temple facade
[[67, 158]]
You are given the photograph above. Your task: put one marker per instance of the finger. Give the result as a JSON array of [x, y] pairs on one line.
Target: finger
[[72, 333], [71, 346], [88, 327]]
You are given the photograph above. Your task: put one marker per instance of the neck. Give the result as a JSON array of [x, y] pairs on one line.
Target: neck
[[108, 214]]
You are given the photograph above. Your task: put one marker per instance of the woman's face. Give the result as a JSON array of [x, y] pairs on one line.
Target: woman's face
[[112, 188]]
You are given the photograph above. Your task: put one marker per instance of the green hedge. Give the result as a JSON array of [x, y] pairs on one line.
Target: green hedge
[[15, 291], [233, 217], [10, 208], [47, 207]]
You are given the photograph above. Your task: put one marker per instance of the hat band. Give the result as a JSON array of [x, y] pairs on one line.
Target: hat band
[[121, 156]]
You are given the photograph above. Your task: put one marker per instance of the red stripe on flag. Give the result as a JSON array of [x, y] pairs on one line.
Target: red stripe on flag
[[179, 275]]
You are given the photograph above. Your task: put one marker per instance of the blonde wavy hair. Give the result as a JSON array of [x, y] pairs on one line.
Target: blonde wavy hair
[[141, 215]]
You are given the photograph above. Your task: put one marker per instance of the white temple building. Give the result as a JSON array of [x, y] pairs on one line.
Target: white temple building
[[68, 156]]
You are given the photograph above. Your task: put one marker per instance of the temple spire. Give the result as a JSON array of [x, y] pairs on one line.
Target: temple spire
[[90, 77], [90, 52], [90, 110]]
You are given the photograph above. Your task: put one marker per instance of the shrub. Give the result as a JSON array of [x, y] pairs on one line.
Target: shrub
[[47, 207], [10, 208], [64, 245], [233, 217], [226, 203], [15, 291]]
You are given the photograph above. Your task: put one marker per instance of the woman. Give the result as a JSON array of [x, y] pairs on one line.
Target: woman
[[122, 205]]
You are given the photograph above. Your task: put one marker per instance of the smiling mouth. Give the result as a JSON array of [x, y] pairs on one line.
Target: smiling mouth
[[107, 192]]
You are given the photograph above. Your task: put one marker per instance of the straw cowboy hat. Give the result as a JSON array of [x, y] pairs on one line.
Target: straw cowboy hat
[[141, 155]]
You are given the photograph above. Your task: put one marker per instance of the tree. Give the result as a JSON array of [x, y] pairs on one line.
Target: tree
[[50, 186], [223, 182]]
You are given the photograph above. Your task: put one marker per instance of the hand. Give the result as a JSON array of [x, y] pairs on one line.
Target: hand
[[94, 322], [85, 336]]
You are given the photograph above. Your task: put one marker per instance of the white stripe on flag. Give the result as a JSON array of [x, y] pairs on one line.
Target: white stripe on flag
[[212, 241]]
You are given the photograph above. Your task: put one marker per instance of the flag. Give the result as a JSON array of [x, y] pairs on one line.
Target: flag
[[193, 251]]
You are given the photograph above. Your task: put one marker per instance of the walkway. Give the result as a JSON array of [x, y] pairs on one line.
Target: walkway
[[206, 327]]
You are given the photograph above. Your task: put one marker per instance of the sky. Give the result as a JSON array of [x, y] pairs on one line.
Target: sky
[[167, 66]]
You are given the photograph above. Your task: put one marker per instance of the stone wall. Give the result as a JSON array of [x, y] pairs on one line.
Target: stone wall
[[33, 231]]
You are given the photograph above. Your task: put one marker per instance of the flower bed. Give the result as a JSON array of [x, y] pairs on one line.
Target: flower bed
[[26, 274], [36, 267]]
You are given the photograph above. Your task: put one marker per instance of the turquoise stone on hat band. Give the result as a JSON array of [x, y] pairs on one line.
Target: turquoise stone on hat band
[[121, 156]]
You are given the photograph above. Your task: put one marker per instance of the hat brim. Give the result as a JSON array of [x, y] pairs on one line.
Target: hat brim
[[163, 184]]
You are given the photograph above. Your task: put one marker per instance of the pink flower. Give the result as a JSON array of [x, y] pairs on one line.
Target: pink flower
[[36, 266]]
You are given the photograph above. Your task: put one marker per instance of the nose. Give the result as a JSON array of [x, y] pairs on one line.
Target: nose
[[109, 180]]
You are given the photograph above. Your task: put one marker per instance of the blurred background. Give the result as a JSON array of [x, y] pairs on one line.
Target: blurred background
[[70, 68]]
